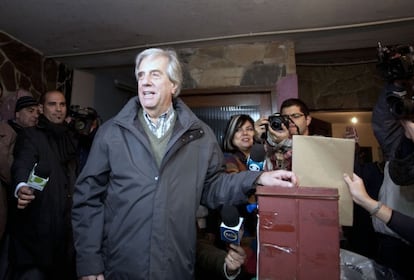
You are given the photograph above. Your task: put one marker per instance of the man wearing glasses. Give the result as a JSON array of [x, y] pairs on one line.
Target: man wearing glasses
[[278, 144]]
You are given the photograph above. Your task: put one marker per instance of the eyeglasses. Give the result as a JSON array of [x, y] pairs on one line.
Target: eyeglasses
[[294, 116]]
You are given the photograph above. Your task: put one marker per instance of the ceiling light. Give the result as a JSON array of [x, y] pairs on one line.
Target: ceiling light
[[354, 120]]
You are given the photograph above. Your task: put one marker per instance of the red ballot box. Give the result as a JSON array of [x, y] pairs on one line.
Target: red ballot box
[[298, 233]]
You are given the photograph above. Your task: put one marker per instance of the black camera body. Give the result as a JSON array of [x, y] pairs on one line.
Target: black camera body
[[401, 104], [396, 62], [276, 120], [82, 118]]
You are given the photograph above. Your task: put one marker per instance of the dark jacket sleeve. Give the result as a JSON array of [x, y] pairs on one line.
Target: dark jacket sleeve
[[25, 156], [401, 167], [387, 129], [209, 260], [403, 225], [222, 188], [88, 210]]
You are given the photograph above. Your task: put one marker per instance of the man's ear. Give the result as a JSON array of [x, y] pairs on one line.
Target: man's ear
[[41, 108], [308, 120], [174, 90]]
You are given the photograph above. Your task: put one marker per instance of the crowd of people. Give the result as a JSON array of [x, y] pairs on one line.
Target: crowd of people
[[139, 196], [130, 219]]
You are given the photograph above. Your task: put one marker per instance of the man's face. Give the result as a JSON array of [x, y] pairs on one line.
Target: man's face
[[299, 119], [155, 90], [54, 108], [28, 116]]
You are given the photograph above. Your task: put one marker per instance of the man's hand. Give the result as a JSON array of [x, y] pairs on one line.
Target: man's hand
[[278, 136], [24, 197], [234, 258], [278, 178], [93, 277], [260, 128]]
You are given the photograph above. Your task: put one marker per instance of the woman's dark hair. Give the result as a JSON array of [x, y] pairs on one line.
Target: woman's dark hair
[[235, 122]]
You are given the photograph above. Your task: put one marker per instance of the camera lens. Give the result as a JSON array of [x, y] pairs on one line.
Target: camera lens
[[80, 124], [276, 120], [276, 124]]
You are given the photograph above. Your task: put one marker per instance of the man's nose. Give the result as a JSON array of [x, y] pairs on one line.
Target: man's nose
[[145, 80]]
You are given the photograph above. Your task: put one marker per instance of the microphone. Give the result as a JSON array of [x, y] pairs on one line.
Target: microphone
[[231, 228], [39, 176], [256, 160]]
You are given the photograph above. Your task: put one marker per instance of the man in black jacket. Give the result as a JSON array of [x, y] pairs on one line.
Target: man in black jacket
[[41, 237]]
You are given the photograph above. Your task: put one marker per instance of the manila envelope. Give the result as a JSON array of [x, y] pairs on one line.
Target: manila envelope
[[321, 161]]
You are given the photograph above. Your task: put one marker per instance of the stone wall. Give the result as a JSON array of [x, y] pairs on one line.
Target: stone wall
[[261, 64], [340, 87], [23, 67], [256, 64], [322, 87]]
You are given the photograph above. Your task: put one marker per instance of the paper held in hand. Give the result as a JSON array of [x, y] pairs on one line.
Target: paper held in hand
[[321, 162]]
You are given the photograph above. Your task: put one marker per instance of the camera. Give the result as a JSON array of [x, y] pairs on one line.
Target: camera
[[82, 118], [396, 62], [401, 104], [276, 120]]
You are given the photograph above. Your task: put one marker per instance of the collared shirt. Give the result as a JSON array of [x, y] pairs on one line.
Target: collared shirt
[[163, 124]]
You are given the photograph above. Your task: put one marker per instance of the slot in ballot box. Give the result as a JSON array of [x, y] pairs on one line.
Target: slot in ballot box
[[298, 233]]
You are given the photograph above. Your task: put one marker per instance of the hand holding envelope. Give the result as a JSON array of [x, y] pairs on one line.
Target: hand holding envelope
[[321, 161]]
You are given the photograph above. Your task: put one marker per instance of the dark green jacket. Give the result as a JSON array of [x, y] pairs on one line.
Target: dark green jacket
[[133, 220]]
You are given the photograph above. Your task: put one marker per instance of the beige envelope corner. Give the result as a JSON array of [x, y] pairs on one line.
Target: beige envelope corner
[[320, 161]]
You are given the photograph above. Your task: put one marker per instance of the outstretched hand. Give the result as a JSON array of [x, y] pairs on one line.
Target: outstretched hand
[[357, 189], [278, 178]]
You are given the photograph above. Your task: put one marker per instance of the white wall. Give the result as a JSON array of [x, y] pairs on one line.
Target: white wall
[[366, 137], [83, 89], [98, 92], [108, 98]]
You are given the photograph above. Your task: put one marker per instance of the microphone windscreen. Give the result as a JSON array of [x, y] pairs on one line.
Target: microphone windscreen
[[42, 170], [257, 153], [230, 215]]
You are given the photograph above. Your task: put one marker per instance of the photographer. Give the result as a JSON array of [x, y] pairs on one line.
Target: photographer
[[277, 131], [396, 67], [394, 128]]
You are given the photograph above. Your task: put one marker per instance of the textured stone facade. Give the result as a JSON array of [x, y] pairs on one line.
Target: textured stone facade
[[350, 87], [256, 64], [261, 64], [322, 87], [22, 67]]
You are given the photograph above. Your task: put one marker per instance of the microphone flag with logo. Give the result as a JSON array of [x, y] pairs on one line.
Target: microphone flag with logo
[[38, 178], [231, 228], [256, 160]]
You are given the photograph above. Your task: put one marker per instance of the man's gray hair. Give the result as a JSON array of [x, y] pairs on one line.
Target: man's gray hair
[[174, 69]]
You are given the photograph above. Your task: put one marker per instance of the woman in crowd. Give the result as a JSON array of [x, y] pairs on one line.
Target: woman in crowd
[[211, 251], [238, 142], [393, 213], [237, 145], [395, 220]]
